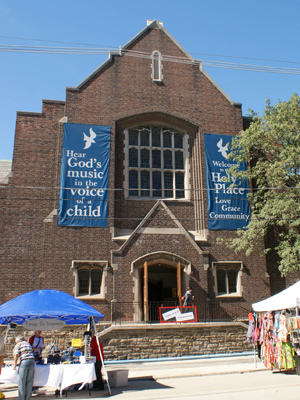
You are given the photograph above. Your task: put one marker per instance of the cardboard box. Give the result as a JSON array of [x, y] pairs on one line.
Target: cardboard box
[[118, 377]]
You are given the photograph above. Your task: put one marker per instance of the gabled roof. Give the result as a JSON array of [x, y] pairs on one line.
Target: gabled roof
[[143, 228], [156, 25], [153, 25]]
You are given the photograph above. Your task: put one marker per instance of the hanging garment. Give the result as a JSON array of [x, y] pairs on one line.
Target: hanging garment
[[261, 331], [256, 332], [276, 324], [283, 331], [268, 317], [266, 326], [287, 356]]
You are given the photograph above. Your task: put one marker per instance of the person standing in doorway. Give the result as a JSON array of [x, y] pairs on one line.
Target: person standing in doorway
[[24, 354], [188, 298]]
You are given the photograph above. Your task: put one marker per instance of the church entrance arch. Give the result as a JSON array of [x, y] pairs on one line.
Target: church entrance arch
[[162, 283], [160, 279], [162, 290]]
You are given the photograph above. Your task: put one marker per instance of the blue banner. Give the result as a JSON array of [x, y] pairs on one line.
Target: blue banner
[[228, 207], [84, 178]]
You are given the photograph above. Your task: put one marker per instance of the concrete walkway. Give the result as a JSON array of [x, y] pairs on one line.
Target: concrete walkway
[[178, 368]]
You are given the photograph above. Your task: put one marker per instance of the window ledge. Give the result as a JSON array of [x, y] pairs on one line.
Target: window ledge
[[91, 297], [157, 199], [222, 296]]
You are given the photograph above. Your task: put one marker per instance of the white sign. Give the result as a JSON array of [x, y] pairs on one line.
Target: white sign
[[185, 317], [171, 314], [43, 324]]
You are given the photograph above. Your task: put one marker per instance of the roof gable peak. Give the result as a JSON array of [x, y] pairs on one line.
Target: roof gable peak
[[156, 25]]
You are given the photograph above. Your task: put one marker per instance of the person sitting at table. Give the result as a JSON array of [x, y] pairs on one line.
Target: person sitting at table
[[23, 353], [98, 383], [37, 344]]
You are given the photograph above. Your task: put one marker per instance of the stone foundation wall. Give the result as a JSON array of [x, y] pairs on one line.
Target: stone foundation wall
[[153, 341], [125, 343]]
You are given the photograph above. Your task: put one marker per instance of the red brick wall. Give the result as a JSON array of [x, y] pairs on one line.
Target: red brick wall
[[120, 94]]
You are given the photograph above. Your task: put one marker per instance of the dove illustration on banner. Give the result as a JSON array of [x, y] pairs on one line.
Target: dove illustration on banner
[[89, 139], [222, 149]]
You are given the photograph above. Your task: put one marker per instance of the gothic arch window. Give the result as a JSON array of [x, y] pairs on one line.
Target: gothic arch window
[[156, 66], [156, 163]]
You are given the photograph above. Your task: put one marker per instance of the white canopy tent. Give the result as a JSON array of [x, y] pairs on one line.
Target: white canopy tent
[[280, 301]]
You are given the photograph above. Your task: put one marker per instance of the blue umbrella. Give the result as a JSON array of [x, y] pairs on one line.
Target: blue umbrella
[[47, 303]]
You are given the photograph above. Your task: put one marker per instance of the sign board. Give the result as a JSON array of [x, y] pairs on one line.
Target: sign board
[[43, 324], [84, 178], [185, 317], [177, 314], [171, 314], [228, 207], [77, 342]]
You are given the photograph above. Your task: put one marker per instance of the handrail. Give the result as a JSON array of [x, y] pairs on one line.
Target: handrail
[[207, 311]]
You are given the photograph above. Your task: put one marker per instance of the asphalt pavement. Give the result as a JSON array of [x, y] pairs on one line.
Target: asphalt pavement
[[232, 378]]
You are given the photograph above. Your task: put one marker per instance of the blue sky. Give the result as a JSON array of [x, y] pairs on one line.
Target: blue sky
[[243, 32]]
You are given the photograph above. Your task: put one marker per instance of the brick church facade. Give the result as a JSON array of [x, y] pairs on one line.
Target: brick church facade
[[157, 241]]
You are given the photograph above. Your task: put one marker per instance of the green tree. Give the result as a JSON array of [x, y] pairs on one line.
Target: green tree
[[271, 146]]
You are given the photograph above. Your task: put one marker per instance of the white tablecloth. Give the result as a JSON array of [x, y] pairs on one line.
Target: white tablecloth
[[58, 376], [77, 373]]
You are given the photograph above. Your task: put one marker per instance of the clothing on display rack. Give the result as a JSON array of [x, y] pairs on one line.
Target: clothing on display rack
[[277, 336]]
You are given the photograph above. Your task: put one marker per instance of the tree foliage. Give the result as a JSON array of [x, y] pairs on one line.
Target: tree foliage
[[271, 146]]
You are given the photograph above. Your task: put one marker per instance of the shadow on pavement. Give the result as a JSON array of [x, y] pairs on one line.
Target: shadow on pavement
[[139, 385], [285, 372], [8, 389], [134, 385]]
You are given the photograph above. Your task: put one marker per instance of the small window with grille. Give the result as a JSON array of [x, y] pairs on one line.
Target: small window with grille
[[89, 278], [156, 163], [227, 278]]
